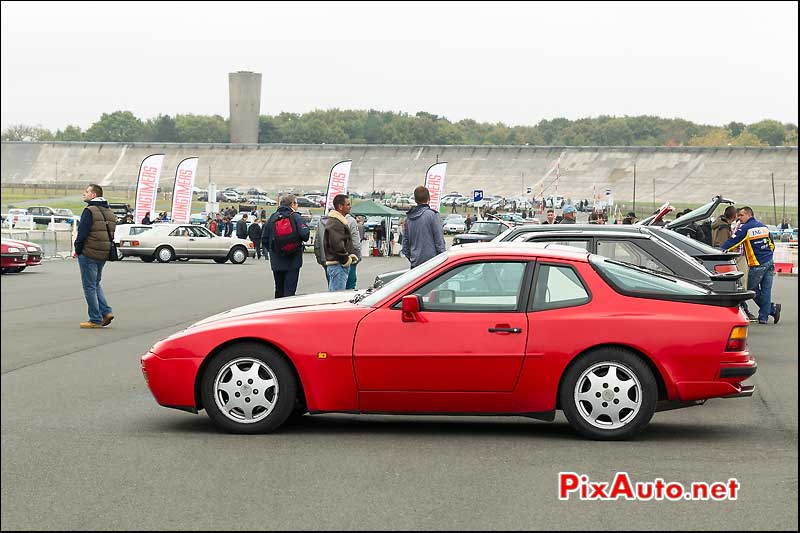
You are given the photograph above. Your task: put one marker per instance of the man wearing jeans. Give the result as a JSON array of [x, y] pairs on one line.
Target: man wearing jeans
[[754, 237], [92, 248], [340, 251]]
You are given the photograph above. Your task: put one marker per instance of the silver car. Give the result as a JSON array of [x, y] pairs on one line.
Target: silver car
[[167, 242]]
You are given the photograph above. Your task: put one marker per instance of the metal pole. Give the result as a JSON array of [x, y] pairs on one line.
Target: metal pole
[[634, 187], [654, 194], [373, 181], [784, 202], [774, 207]]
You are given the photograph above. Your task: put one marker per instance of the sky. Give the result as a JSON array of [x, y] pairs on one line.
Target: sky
[[67, 63]]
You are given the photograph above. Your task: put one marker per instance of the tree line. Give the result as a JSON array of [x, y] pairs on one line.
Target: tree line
[[335, 126]]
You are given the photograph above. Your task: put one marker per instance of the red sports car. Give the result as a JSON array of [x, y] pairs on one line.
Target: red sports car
[[499, 329], [18, 255]]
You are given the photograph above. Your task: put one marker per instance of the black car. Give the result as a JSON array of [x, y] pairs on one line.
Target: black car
[[482, 231], [44, 215], [631, 244], [121, 210]]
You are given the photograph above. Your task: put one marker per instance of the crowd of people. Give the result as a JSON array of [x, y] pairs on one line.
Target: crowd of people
[[281, 238]]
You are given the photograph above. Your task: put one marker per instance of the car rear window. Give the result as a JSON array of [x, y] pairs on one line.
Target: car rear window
[[629, 280]]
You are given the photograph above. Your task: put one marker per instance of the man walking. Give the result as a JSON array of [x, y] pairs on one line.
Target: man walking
[[423, 238], [758, 248], [282, 238], [92, 248], [254, 234], [241, 227], [340, 249]]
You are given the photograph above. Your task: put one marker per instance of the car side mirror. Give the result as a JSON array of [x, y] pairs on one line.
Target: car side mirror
[[412, 304]]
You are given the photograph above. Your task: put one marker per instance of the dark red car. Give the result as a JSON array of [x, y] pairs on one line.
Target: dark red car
[[502, 329], [18, 255]]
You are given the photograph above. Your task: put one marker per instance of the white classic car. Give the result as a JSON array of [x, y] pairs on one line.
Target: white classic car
[[167, 242]]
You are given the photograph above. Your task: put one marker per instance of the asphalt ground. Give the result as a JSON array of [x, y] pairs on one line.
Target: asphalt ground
[[85, 446]]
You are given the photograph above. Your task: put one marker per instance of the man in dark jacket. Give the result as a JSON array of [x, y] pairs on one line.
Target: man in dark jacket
[[285, 268], [568, 214], [339, 247], [92, 248], [254, 234], [423, 237], [241, 227]]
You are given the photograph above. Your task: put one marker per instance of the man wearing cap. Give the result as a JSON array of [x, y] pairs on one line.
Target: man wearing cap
[[568, 214], [630, 218]]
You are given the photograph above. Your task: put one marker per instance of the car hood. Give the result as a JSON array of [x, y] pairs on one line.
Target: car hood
[[306, 300], [23, 243]]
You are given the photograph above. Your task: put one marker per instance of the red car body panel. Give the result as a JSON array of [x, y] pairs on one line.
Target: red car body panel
[[449, 363], [34, 258]]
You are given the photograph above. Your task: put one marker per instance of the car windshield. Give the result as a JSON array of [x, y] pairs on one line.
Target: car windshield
[[692, 214], [373, 298]]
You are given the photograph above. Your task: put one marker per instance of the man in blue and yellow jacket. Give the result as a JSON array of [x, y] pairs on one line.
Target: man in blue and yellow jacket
[[754, 238]]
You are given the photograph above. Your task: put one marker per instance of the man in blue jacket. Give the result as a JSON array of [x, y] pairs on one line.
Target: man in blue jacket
[[423, 237], [285, 266], [754, 237]]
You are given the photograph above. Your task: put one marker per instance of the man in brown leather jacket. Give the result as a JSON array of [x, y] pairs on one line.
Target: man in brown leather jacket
[[92, 248]]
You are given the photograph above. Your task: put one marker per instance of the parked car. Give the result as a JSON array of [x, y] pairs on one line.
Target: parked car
[[19, 255], [121, 210], [514, 218], [493, 329], [167, 242], [454, 224], [632, 244], [44, 215], [15, 216], [302, 201], [127, 232], [481, 231]]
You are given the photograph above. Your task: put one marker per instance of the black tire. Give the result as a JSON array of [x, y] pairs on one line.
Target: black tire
[[220, 260], [183, 259], [16, 270], [282, 395], [120, 255], [238, 255], [148, 258], [165, 254], [628, 369]]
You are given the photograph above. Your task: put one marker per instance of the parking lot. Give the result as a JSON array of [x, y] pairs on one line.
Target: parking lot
[[85, 446]]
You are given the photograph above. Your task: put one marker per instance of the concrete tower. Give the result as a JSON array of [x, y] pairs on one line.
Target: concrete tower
[[245, 97]]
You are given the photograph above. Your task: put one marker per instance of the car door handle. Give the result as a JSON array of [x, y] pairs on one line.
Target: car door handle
[[505, 330]]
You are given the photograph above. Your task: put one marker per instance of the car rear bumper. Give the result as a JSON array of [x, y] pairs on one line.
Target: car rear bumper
[[727, 385]]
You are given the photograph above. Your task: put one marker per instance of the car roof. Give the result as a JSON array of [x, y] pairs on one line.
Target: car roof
[[588, 229], [515, 249]]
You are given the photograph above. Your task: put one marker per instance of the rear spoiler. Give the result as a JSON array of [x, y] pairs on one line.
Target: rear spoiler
[[719, 299], [727, 276], [721, 256]]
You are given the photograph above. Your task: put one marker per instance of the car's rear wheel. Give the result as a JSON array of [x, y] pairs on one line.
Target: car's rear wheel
[[147, 258], [16, 270], [120, 255], [165, 254], [608, 394], [238, 255], [183, 259], [248, 388], [220, 260]]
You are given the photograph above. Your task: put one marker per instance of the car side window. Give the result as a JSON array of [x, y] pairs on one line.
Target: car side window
[[577, 243], [491, 286], [628, 252], [556, 287], [179, 232]]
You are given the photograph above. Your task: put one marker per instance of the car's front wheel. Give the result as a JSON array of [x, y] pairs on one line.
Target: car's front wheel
[[608, 394], [248, 388], [220, 260], [147, 258]]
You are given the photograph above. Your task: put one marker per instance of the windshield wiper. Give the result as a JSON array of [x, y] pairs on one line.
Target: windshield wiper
[[360, 296]]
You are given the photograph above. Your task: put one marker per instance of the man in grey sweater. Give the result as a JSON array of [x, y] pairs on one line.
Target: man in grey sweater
[[423, 237]]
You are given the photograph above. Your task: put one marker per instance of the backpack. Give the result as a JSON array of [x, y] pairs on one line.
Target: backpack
[[285, 236]]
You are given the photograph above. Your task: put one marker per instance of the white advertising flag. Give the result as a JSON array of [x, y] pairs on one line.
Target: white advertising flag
[[185, 176], [147, 187], [434, 182], [337, 182]]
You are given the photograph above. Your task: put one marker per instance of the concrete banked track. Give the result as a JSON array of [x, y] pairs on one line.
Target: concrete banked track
[[680, 174]]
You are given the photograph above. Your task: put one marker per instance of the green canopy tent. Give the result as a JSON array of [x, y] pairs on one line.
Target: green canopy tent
[[369, 208]]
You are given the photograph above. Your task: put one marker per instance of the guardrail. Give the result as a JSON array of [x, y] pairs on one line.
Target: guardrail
[[57, 242]]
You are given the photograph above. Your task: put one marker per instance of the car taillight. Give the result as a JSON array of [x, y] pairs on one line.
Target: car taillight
[[251, 245], [134, 243], [721, 269], [737, 342]]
